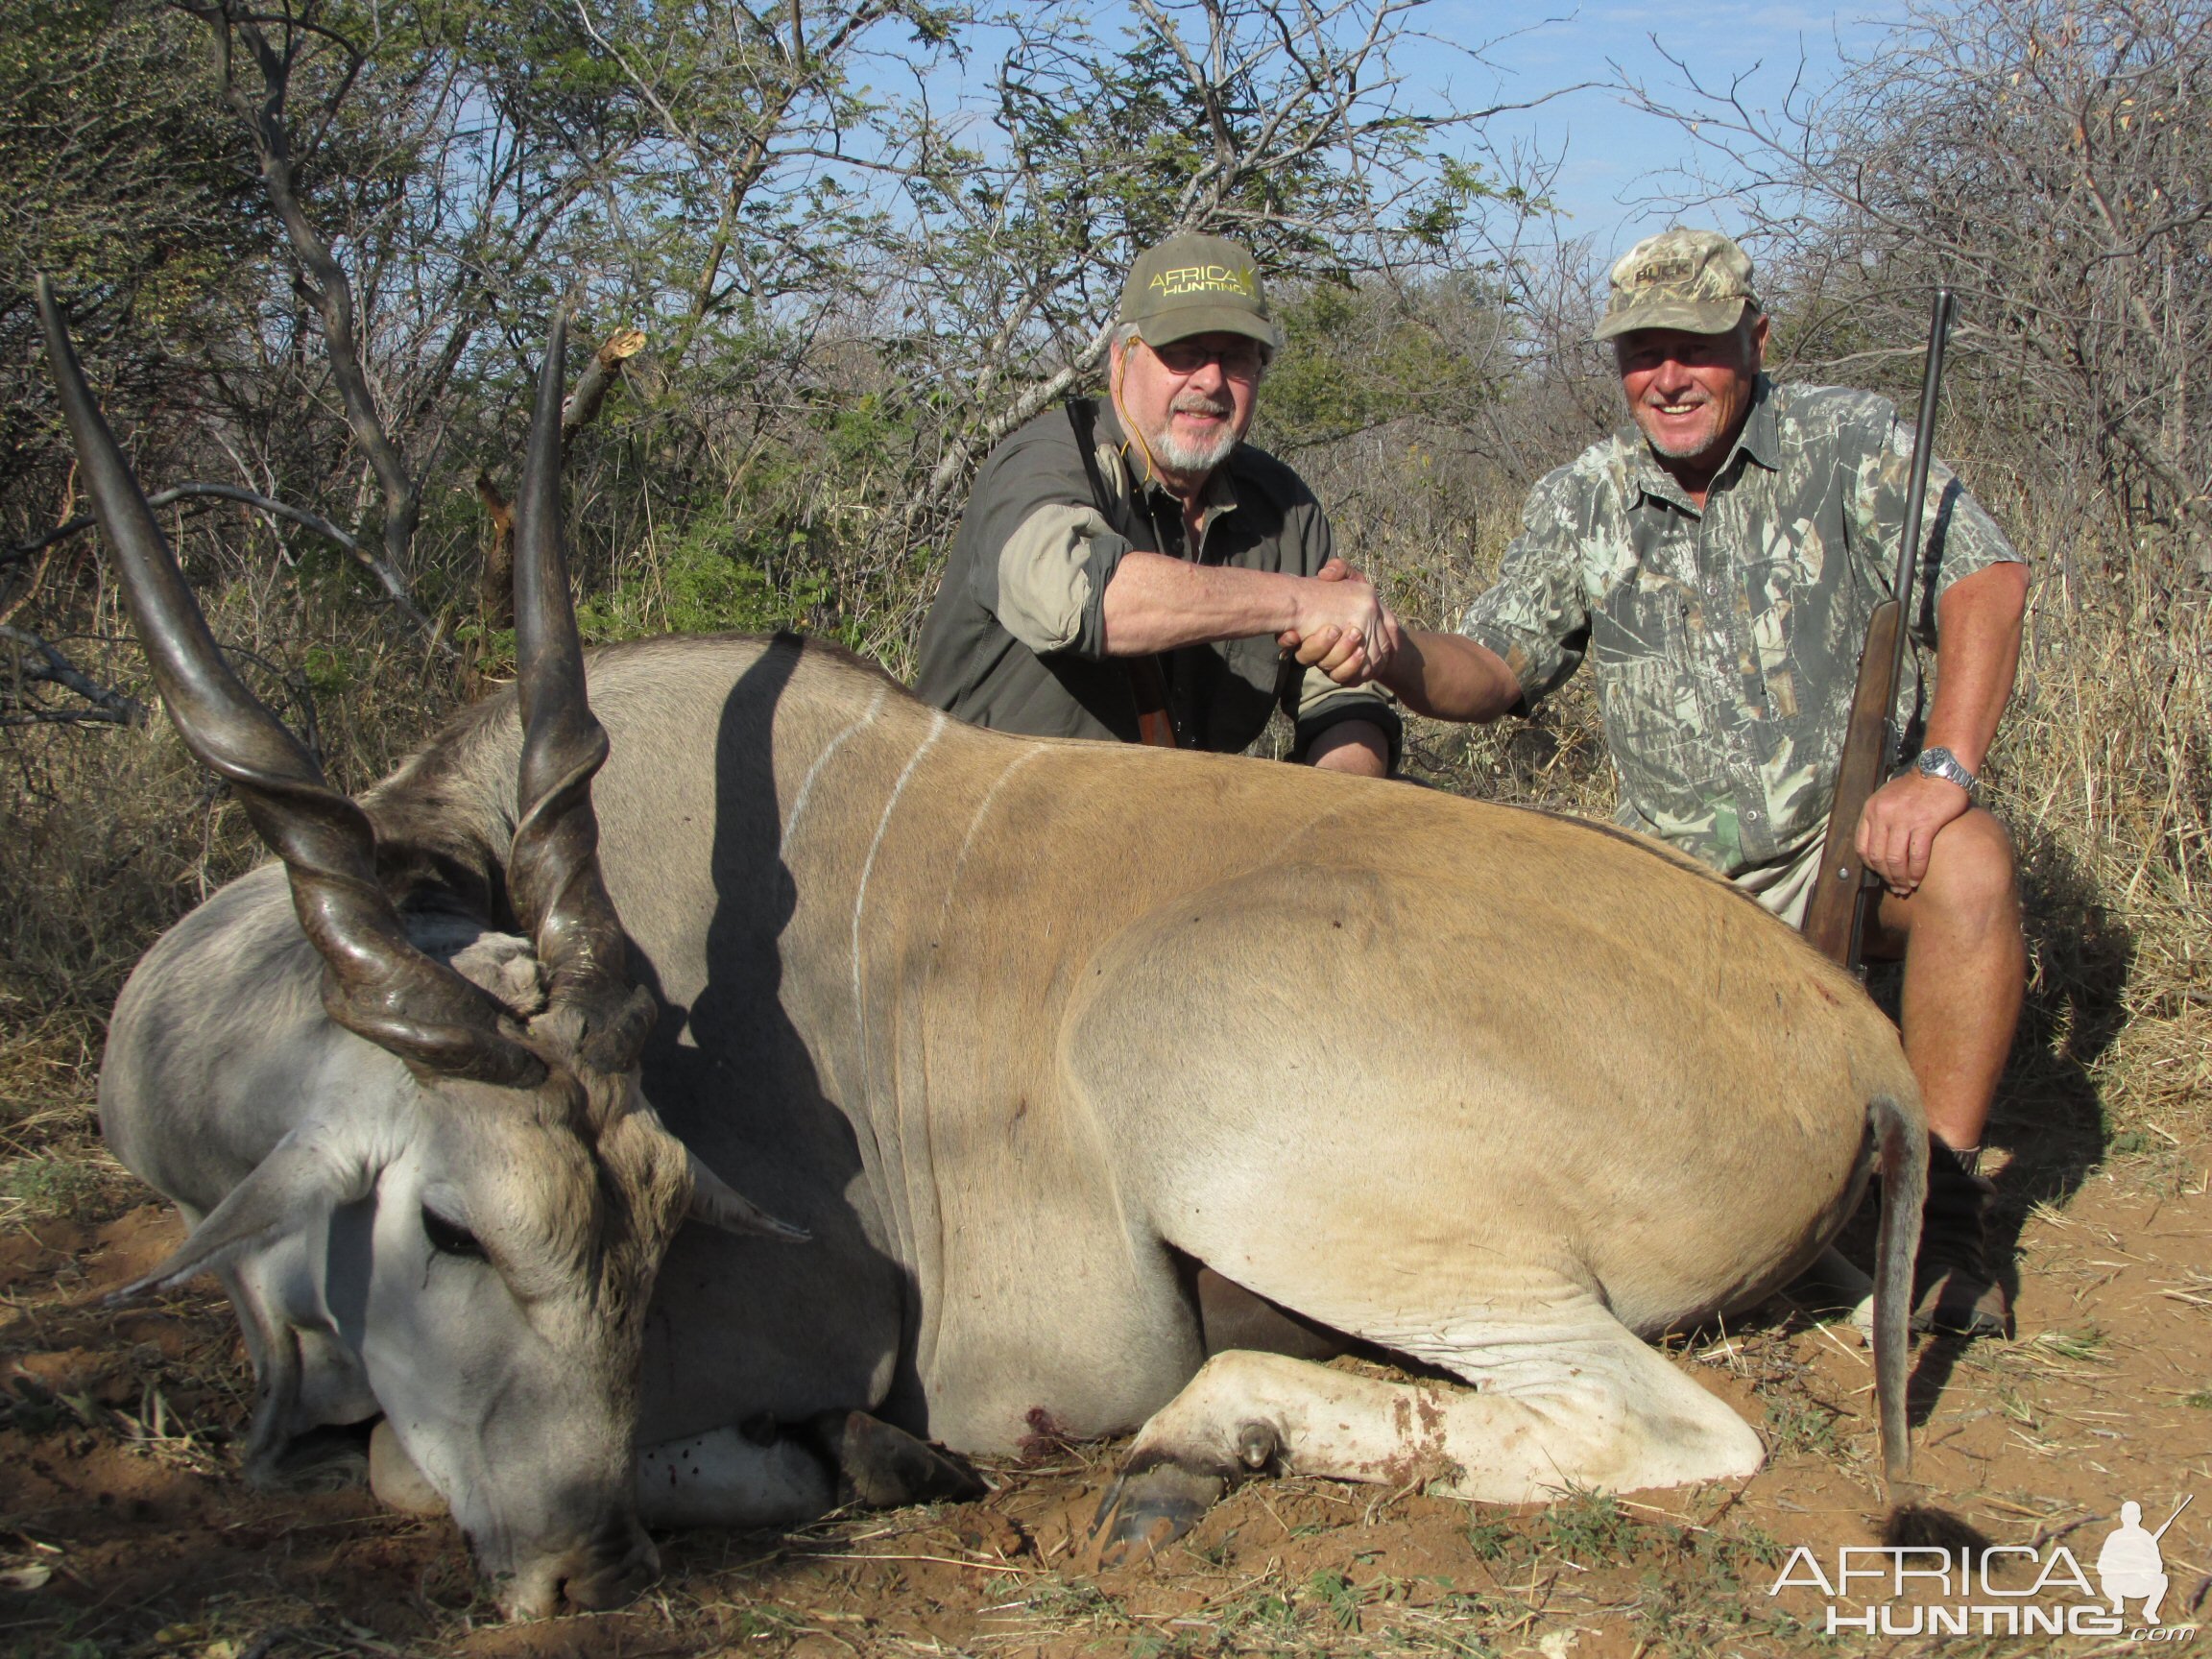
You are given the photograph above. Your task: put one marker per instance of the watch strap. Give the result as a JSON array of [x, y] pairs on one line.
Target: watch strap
[[1940, 762]]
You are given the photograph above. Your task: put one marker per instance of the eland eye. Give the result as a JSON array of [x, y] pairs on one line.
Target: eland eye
[[450, 1237]]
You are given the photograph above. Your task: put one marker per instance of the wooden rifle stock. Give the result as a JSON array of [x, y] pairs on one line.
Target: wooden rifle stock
[[1835, 916], [1844, 894]]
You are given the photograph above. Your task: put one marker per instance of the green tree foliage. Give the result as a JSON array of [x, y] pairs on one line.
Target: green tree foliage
[[864, 237], [1440, 353], [121, 176]]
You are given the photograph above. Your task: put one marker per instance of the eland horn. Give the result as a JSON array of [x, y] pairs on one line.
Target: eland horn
[[553, 863], [376, 982]]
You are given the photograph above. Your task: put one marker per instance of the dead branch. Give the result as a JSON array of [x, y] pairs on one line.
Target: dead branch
[[583, 404], [176, 492], [196, 489], [45, 663], [9, 611]]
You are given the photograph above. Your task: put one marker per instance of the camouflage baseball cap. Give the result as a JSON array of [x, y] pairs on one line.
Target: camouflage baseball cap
[[1193, 284], [1697, 281]]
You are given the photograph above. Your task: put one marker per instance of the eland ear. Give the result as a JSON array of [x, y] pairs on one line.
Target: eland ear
[[301, 1177], [716, 1203]]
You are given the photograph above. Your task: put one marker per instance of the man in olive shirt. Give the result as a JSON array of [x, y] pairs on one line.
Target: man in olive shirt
[[1179, 545], [1718, 568]]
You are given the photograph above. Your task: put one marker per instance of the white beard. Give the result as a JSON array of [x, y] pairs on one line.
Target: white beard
[[1192, 460]]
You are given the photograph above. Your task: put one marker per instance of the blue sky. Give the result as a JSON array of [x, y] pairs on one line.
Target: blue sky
[[1611, 159], [1613, 154]]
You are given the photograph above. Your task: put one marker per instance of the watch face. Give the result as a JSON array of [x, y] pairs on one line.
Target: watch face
[[1942, 763]]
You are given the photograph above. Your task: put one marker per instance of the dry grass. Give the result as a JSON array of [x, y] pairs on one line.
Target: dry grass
[[2104, 773], [108, 837]]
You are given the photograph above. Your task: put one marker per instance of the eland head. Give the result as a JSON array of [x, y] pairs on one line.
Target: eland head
[[473, 1198]]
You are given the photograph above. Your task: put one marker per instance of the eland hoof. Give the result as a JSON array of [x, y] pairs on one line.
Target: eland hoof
[[1145, 1510], [884, 1467]]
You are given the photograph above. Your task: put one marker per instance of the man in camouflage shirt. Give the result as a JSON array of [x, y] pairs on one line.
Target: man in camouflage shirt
[[1718, 567]]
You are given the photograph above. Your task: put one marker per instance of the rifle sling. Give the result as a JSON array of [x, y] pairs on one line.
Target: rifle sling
[[1147, 679]]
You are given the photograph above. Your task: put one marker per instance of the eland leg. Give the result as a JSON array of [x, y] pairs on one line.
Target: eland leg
[[311, 1413], [768, 1474], [884, 1467], [1585, 1408], [730, 1478]]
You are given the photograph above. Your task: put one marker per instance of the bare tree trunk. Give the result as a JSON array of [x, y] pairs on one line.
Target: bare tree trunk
[[324, 283], [496, 581]]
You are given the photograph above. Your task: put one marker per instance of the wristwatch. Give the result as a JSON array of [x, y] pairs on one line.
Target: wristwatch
[[1940, 762]]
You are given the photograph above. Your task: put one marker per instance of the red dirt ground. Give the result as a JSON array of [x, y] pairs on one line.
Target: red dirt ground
[[125, 1530]]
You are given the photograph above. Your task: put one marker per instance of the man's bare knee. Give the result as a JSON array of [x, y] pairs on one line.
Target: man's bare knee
[[1970, 871]]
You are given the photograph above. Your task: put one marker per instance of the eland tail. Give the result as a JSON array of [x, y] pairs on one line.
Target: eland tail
[[1901, 1144]]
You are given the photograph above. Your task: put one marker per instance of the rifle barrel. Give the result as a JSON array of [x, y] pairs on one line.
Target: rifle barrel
[[1916, 493]]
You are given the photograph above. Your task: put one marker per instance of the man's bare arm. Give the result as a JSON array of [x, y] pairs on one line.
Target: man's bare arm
[[1155, 603], [1449, 677], [1976, 655]]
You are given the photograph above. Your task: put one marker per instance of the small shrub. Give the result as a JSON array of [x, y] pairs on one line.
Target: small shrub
[[45, 1188], [1591, 1525], [1795, 1424], [1489, 1538]]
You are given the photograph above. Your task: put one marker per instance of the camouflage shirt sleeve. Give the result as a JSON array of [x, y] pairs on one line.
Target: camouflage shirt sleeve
[[1957, 536], [1536, 615]]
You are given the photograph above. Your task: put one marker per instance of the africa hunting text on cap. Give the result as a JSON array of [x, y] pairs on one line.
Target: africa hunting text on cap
[[1193, 284], [1697, 281]]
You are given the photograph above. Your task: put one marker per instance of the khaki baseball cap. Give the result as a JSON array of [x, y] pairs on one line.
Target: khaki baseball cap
[[1696, 280], [1193, 284]]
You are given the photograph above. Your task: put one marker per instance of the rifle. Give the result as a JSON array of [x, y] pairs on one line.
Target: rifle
[[1845, 894]]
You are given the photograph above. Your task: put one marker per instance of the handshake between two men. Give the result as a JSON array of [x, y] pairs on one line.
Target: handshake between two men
[[1355, 639]]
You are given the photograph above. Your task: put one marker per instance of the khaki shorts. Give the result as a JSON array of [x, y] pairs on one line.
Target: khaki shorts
[[1786, 889]]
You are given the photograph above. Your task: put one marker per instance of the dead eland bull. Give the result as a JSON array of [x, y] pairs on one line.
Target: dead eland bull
[[1018, 1031]]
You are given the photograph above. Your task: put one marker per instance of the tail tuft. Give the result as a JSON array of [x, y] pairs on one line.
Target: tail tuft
[[1924, 1526]]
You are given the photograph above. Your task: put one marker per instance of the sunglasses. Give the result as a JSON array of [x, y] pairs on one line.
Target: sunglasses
[[1242, 360]]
